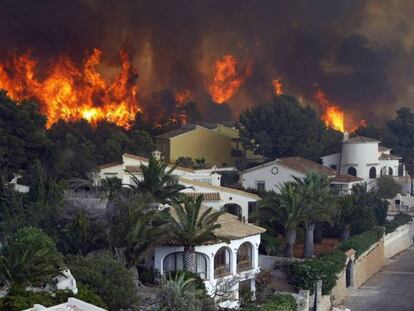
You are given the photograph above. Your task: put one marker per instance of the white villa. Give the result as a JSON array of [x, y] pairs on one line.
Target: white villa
[[271, 175], [72, 304], [364, 158], [219, 264], [223, 267]]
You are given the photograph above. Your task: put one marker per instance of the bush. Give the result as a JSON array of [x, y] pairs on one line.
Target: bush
[[399, 220], [280, 302], [20, 299], [106, 277], [198, 282], [263, 282], [272, 244], [148, 276], [361, 242], [304, 275], [381, 211], [388, 188]]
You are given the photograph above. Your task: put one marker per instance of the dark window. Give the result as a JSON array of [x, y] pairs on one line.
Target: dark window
[[234, 209], [372, 172], [352, 171], [244, 257], [222, 262], [174, 262], [260, 186], [333, 166]]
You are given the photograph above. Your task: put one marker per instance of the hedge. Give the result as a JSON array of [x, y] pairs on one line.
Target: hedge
[[361, 242], [399, 220], [324, 267], [278, 302]]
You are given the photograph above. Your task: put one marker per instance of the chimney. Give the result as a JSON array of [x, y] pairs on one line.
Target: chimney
[[346, 136], [156, 154]]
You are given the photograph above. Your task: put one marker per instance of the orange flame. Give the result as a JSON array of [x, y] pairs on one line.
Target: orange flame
[[333, 116], [71, 93], [227, 77], [182, 97], [277, 86]]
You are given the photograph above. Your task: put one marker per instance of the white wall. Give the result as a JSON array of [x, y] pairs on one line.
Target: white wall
[[250, 178], [398, 240], [332, 160], [209, 251], [361, 156]]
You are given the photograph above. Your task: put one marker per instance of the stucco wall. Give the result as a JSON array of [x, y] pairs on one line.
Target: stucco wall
[[368, 263], [201, 143], [272, 181], [398, 241]]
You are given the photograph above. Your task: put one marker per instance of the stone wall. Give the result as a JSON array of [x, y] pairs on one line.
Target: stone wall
[[398, 240], [368, 263]]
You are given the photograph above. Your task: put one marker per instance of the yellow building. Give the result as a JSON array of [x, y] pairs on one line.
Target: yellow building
[[197, 142]]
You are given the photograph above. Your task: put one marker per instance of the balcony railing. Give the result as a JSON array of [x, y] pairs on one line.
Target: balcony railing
[[244, 265], [221, 271]]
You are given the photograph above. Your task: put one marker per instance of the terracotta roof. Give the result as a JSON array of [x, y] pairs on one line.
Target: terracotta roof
[[109, 164], [382, 148], [304, 165], [220, 188], [177, 132], [231, 227], [207, 196], [360, 139], [345, 179], [385, 156]]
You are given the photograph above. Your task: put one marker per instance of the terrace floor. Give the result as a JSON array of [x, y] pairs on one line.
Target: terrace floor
[[390, 289]]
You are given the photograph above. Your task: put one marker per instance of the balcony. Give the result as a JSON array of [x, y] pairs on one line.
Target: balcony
[[221, 271]]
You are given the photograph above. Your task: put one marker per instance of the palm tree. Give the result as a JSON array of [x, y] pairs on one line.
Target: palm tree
[[288, 209], [30, 259], [190, 226], [136, 229], [158, 180], [316, 193], [82, 235]]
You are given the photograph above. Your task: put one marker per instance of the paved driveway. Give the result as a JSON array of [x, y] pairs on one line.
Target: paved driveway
[[391, 289]]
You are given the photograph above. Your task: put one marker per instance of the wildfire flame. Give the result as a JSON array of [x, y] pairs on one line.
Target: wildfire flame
[[182, 97], [72, 93], [277, 86], [333, 115], [227, 77]]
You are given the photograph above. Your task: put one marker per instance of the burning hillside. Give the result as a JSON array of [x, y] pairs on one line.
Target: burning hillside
[[70, 92]]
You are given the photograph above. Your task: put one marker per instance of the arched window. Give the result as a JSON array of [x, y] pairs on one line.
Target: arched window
[[372, 172], [390, 171], [384, 171], [174, 262], [222, 262], [352, 171], [244, 257]]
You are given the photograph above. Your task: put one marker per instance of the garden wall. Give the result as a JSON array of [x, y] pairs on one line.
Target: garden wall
[[368, 263], [398, 240]]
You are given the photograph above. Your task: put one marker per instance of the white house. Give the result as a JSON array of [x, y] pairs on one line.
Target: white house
[[223, 267], [271, 175], [206, 183], [72, 304], [363, 157]]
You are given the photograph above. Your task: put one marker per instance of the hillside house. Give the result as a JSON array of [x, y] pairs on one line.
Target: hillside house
[[364, 158], [225, 268], [271, 175]]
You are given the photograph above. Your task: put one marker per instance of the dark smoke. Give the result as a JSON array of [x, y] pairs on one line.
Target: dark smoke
[[360, 52]]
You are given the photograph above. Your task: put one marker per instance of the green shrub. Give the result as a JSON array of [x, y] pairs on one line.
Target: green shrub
[[20, 299], [304, 275], [361, 242], [198, 282], [399, 220], [280, 302], [148, 276], [106, 277]]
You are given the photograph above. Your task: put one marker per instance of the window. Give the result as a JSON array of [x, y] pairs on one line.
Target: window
[[333, 166], [234, 209], [352, 171], [260, 185], [253, 210], [222, 262], [390, 171], [174, 262], [244, 257], [372, 172]]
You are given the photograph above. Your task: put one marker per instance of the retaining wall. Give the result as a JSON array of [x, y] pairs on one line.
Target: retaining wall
[[398, 240]]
